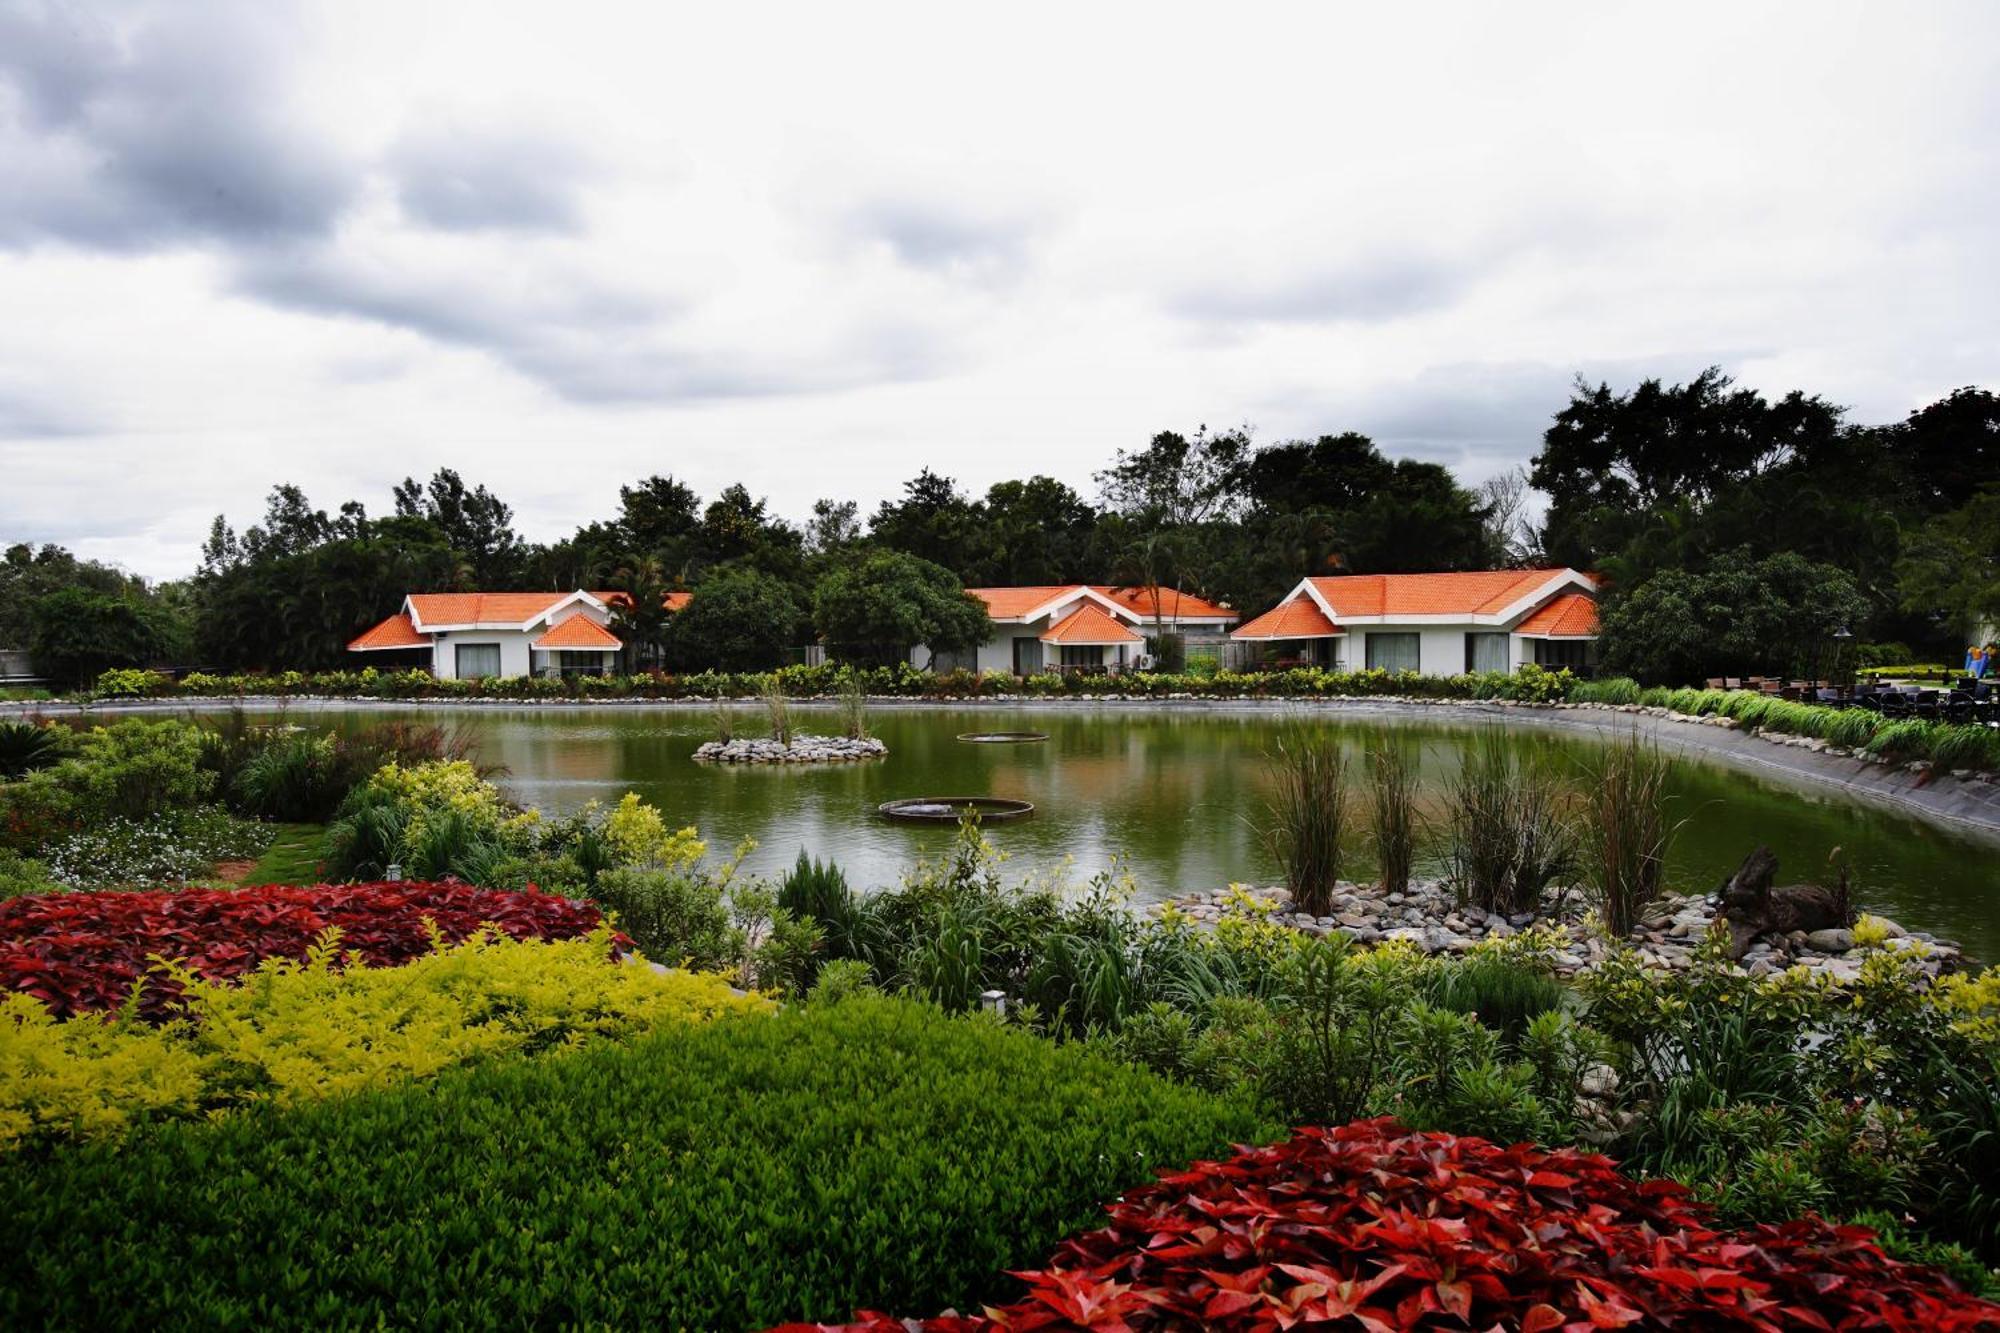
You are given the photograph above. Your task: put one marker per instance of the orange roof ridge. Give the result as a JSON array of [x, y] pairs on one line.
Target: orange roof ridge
[[1089, 626], [1570, 616], [579, 632], [395, 632], [1299, 618]]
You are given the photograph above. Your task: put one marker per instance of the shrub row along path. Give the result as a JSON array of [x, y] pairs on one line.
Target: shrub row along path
[[1970, 805]]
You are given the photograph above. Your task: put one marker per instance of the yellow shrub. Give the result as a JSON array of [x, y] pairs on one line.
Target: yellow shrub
[[1972, 1002], [1870, 932], [638, 836], [295, 1032]]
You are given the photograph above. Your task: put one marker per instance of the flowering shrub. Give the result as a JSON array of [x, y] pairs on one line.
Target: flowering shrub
[[1395, 1230], [295, 1032], [77, 952], [167, 849]]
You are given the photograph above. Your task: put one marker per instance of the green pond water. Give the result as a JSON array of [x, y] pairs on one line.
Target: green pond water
[[1174, 793]]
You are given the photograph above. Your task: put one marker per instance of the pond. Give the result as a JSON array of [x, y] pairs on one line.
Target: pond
[[1174, 792]]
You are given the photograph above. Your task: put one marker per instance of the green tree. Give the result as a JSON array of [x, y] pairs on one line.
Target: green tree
[[28, 574], [1036, 531], [474, 522], [1775, 616], [78, 634], [640, 618], [1950, 568], [739, 619], [934, 521], [890, 601], [1178, 480]]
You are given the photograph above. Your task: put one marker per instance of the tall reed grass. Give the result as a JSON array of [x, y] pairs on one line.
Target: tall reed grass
[[1306, 817], [1392, 808], [1510, 831], [1626, 831], [853, 709], [777, 709]]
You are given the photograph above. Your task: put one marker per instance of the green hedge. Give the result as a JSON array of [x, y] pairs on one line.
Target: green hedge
[[1530, 684], [1945, 744], [867, 1153]]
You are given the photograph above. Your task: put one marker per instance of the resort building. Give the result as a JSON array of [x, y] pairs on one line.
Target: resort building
[[461, 635], [1438, 624], [1084, 627]]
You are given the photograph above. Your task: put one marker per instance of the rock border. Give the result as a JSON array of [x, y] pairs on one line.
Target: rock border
[[801, 750], [1427, 915]]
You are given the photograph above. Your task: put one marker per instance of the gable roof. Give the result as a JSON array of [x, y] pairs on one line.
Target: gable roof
[[1087, 626], [1134, 602], [432, 609], [1174, 604], [395, 632], [1473, 592], [579, 632], [1299, 618], [1571, 616]]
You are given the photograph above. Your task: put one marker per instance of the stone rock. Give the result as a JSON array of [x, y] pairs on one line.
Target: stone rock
[[1831, 940]]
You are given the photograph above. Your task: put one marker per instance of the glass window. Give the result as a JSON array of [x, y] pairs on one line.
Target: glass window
[[1027, 656], [478, 659], [1486, 652], [1571, 653], [1087, 656], [1394, 652]]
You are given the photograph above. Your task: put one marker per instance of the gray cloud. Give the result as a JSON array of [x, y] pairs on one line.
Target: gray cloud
[[941, 235], [1367, 290], [26, 414], [457, 178], [173, 132]]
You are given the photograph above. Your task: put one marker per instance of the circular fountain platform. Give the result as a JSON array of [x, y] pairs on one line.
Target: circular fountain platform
[[1002, 737], [951, 809]]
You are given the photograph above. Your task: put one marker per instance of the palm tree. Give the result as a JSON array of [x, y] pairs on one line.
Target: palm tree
[[640, 616]]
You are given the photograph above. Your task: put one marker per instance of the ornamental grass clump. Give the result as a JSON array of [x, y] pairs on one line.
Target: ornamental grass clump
[[1511, 835], [1392, 808], [1306, 816], [853, 709], [1626, 831], [777, 709]]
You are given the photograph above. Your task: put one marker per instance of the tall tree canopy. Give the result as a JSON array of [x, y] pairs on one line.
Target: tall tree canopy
[[890, 601]]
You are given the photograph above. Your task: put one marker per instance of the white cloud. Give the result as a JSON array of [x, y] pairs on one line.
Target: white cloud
[[818, 248]]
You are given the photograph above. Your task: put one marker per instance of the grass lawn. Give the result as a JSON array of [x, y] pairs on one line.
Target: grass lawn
[[294, 856]]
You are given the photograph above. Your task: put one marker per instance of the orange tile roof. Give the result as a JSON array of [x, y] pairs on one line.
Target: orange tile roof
[[1571, 616], [1299, 618], [673, 601], [1174, 604], [1011, 603], [578, 631], [482, 608], [1477, 592], [395, 632], [1089, 625]]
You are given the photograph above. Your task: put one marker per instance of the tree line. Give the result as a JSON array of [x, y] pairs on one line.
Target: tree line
[[1733, 533]]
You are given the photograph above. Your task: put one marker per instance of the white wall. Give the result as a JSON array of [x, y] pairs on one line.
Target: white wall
[[514, 643]]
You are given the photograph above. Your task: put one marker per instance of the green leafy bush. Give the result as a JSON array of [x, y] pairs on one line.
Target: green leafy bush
[[27, 746], [868, 1153]]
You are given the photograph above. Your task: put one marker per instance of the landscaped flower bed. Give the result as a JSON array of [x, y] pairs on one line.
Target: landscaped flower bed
[[1396, 1230], [291, 1033], [77, 952]]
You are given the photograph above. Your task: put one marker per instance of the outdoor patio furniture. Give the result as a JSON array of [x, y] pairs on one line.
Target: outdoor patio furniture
[[1716, 683], [1732, 682]]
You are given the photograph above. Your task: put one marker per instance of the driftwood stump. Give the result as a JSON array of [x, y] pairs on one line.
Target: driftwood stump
[[1752, 907]]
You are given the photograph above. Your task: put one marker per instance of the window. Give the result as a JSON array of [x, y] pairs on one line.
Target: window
[[1394, 652], [1486, 652], [477, 659], [1087, 656], [1571, 653], [1027, 656]]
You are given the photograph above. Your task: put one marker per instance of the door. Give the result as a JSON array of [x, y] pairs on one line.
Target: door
[[1027, 656]]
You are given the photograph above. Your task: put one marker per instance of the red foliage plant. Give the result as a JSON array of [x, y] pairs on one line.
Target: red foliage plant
[[1373, 1227], [79, 952]]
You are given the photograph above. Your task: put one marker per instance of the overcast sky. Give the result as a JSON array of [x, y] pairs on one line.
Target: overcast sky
[[815, 248]]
